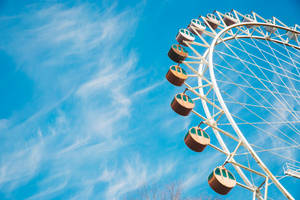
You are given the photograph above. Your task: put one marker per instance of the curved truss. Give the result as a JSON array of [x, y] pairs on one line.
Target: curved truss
[[208, 85]]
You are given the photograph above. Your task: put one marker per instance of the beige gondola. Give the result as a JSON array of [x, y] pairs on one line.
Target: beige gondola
[[176, 75], [292, 35], [270, 29], [177, 53], [182, 104], [229, 19], [212, 21], [248, 18], [196, 139], [221, 180], [196, 26], [184, 35]]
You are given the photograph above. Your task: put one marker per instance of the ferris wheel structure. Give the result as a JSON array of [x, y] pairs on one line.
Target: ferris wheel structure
[[242, 72]]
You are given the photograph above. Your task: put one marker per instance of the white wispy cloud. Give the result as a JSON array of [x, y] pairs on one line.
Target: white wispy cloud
[[76, 57], [148, 89], [20, 166], [76, 130], [134, 174], [199, 176]]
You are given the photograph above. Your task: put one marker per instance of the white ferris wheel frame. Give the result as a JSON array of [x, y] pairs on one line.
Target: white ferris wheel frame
[[209, 120]]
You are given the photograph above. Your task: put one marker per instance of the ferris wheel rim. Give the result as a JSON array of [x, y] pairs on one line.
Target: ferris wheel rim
[[224, 106], [254, 27], [217, 134]]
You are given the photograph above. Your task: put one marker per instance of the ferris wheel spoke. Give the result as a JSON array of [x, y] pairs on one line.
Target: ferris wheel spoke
[[267, 122], [249, 75], [262, 120], [248, 62], [258, 103], [277, 154], [265, 86], [251, 176], [269, 109], [274, 114], [241, 85], [252, 87], [271, 134], [289, 53], [270, 89], [280, 53], [285, 70], [281, 97], [255, 105], [279, 76], [293, 61], [272, 149], [255, 56]]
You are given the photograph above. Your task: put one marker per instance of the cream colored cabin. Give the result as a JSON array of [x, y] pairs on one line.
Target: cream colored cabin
[[196, 139], [184, 35], [196, 26], [177, 53], [212, 21], [221, 180], [291, 35], [182, 104], [229, 19], [269, 28], [176, 75], [249, 18]]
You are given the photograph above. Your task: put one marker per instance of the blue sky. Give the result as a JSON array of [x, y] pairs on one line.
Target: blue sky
[[84, 107]]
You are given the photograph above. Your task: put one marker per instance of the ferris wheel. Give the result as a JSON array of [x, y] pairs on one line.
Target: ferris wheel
[[241, 77]]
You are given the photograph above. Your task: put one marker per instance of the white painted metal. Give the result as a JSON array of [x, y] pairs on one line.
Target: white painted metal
[[228, 114], [292, 170], [207, 60], [293, 173], [216, 132]]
